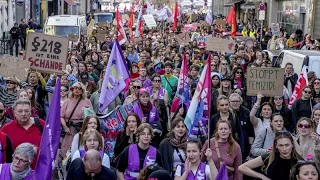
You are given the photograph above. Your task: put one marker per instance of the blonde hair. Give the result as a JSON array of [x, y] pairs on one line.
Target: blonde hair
[[86, 136], [141, 128], [84, 91]]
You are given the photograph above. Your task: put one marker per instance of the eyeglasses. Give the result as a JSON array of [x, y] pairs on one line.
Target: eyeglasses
[[239, 72], [1, 111], [308, 92], [64, 90], [235, 101], [278, 98], [306, 126], [10, 82], [157, 80], [21, 160], [137, 87], [145, 134]]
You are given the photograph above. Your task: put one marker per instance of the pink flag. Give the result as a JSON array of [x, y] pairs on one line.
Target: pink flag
[[301, 83], [188, 27]]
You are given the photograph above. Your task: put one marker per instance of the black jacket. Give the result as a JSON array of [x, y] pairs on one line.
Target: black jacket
[[15, 32], [166, 149], [287, 118]]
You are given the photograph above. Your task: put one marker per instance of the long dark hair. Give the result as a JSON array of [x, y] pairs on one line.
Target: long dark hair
[[126, 123]]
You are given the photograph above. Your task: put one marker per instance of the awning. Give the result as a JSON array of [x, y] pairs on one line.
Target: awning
[[232, 2], [70, 2]]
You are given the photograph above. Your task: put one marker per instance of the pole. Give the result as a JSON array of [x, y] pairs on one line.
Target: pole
[[62, 7]]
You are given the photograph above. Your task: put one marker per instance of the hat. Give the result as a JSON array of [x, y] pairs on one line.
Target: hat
[[216, 74], [13, 79], [226, 77], [159, 175]]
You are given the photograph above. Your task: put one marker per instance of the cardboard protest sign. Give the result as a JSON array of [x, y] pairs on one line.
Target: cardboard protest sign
[[150, 22], [73, 38], [220, 45], [182, 38], [47, 53], [90, 27], [275, 29], [268, 81], [188, 27], [221, 22], [12, 66]]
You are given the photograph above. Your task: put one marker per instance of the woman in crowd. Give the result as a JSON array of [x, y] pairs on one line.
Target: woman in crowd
[[72, 65], [276, 165], [305, 170], [225, 149], [23, 94], [138, 156], [90, 122], [215, 82], [303, 107], [225, 113], [279, 106], [20, 168], [144, 108], [72, 113], [315, 119], [92, 139], [128, 136], [290, 78], [316, 90], [132, 55], [308, 141], [193, 167], [239, 79], [173, 147], [226, 86], [263, 142], [224, 69], [265, 109], [64, 94]]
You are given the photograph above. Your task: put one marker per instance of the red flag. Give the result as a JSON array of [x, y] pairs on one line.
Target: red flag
[[231, 19], [130, 24], [175, 17], [301, 83], [121, 33]]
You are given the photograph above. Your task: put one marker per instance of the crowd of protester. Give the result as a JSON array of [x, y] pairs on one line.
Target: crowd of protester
[[255, 137]]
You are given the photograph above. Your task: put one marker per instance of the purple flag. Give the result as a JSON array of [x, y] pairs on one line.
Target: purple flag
[[114, 79], [50, 138], [223, 173]]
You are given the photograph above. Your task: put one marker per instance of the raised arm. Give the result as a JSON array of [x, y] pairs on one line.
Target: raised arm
[[253, 119]]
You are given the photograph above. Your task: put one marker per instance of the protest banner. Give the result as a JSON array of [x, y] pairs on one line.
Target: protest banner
[[275, 29], [47, 53], [202, 41], [113, 124], [220, 45], [182, 38], [12, 66], [268, 81], [149, 20]]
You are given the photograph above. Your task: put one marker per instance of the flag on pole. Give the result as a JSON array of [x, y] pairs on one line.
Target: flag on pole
[[301, 83], [231, 19], [183, 84], [223, 172], [114, 79], [130, 24], [175, 17], [138, 24], [209, 18], [50, 138], [121, 33], [199, 111]]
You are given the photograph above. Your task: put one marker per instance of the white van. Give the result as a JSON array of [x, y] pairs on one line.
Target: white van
[[103, 17], [65, 25], [299, 58]]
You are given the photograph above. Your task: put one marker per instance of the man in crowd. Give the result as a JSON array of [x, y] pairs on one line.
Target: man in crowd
[[146, 82], [8, 93], [134, 95], [23, 26], [90, 168], [24, 128], [15, 33], [169, 81]]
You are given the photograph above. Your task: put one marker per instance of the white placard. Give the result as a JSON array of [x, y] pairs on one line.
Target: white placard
[[149, 19]]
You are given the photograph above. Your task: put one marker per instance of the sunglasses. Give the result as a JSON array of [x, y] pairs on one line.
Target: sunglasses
[[306, 126], [316, 82], [137, 87], [278, 98], [239, 72], [157, 80], [77, 88], [308, 92], [10, 82]]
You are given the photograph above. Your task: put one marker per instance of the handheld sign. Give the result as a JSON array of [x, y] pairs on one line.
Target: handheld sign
[[12, 66], [268, 81], [47, 53], [275, 29], [149, 19], [220, 45]]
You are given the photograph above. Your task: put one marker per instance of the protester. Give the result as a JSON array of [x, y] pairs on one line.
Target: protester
[[305, 170], [193, 167], [131, 161], [8, 93], [3, 119], [24, 128], [90, 168], [279, 106], [20, 168]]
